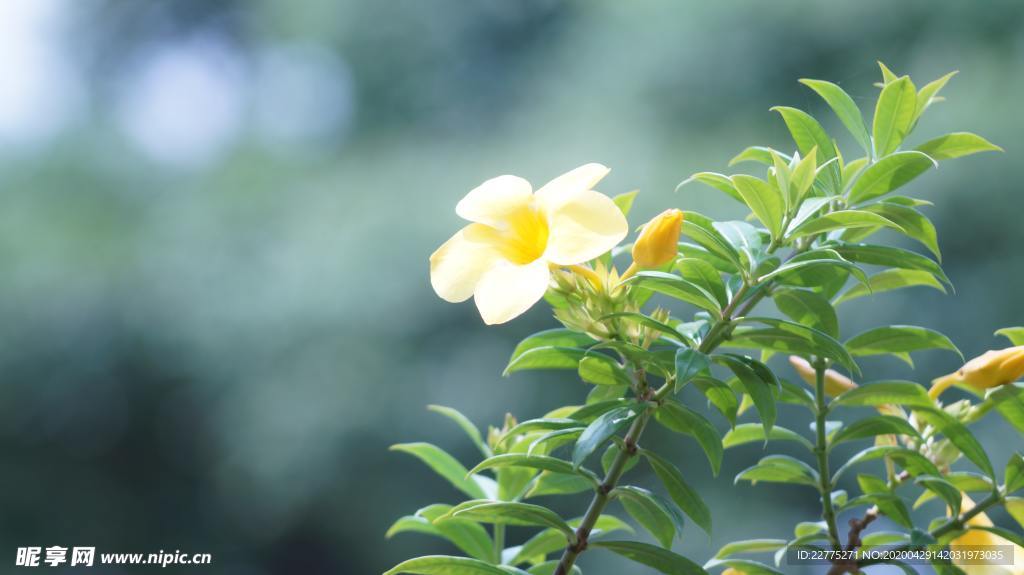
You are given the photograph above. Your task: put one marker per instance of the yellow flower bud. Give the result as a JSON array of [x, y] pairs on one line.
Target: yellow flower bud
[[991, 369], [974, 539], [731, 571], [658, 242], [835, 382]]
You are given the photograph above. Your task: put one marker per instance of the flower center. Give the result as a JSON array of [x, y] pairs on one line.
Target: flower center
[[526, 236]]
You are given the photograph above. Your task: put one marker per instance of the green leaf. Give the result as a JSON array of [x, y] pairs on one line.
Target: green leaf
[[558, 337], [625, 201], [1014, 334], [600, 430], [1015, 507], [682, 419], [447, 565], [745, 566], [718, 181], [657, 516], [1009, 402], [759, 154], [892, 506], [676, 287], [888, 174], [543, 462], [898, 339], [820, 342], [813, 258], [844, 107], [689, 363], [1014, 474], [720, 395], [885, 393], [547, 357], [685, 497], [548, 568], [465, 424], [470, 537], [927, 95], [780, 469], [959, 435], [701, 229], [444, 465], [944, 489], [592, 411], [647, 322], [894, 115], [956, 145], [750, 546], [704, 275], [803, 176], [540, 424], [653, 556], [910, 222], [887, 75], [759, 390], [763, 199], [551, 483], [808, 134], [513, 513], [889, 280], [915, 463], [808, 308], [599, 369], [748, 241], [842, 220], [890, 257], [751, 432], [964, 481], [872, 426]]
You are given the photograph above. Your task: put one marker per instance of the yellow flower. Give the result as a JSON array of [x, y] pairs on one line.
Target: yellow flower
[[970, 541], [991, 369], [835, 382], [503, 258], [658, 242], [731, 571]]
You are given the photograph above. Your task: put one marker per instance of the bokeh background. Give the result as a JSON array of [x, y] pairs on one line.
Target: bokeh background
[[216, 218]]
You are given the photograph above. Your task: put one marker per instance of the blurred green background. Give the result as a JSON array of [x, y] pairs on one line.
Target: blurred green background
[[216, 313]]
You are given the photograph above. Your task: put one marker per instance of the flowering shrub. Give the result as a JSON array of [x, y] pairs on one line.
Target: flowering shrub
[[808, 248]]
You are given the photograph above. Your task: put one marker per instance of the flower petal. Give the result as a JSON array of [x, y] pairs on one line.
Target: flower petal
[[509, 290], [490, 202], [457, 266], [565, 187], [583, 228]]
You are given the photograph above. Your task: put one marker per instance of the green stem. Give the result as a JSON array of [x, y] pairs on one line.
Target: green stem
[[499, 542], [828, 512]]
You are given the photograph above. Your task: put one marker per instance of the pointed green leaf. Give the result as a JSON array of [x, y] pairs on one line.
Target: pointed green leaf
[[889, 280], [888, 174], [513, 513], [558, 337], [1014, 334], [543, 462], [685, 497], [718, 181], [808, 308], [465, 424], [763, 199], [898, 339], [599, 369], [689, 363], [444, 465], [682, 419], [956, 145], [652, 512], [447, 565], [780, 469], [600, 430], [885, 393], [872, 426], [959, 435], [654, 557], [751, 432], [890, 257], [894, 115], [676, 287], [808, 134], [844, 107], [547, 357], [704, 275]]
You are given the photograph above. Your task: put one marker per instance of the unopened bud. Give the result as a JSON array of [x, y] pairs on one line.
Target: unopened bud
[[658, 242]]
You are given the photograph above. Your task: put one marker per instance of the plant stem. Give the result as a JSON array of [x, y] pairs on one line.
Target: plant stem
[[828, 512], [618, 465], [601, 498], [499, 542]]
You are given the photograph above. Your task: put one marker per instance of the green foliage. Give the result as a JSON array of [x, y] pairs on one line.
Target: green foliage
[[637, 339]]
